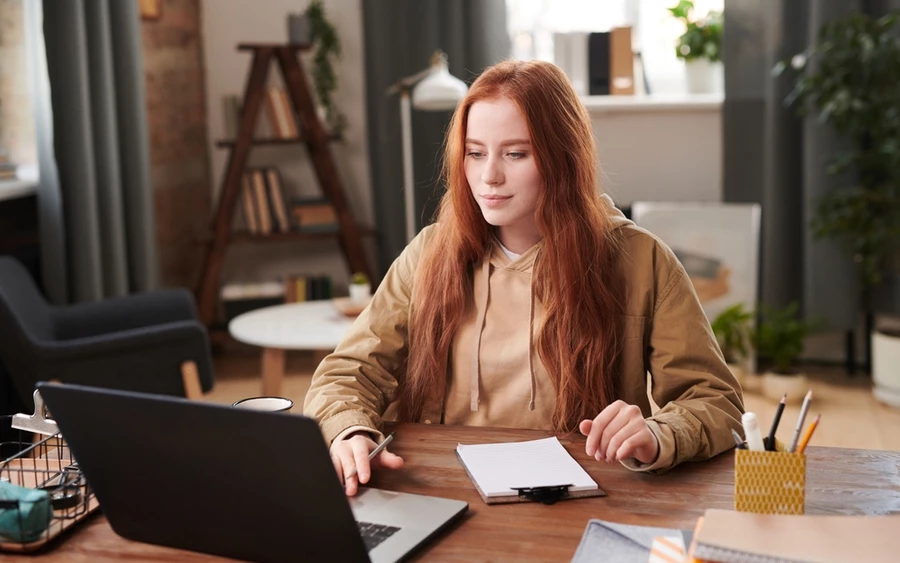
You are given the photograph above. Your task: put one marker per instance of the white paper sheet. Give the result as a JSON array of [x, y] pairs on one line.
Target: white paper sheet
[[498, 468]]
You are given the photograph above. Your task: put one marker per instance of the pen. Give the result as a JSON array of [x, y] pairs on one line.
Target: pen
[[373, 453], [800, 419], [738, 441], [770, 442], [808, 435]]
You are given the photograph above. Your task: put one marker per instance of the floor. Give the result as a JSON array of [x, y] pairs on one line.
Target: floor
[[851, 417]]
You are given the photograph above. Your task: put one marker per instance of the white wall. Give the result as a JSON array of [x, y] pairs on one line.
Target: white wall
[[659, 148], [225, 24]]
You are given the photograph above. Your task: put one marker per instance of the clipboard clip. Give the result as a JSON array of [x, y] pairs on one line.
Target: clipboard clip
[[544, 495]]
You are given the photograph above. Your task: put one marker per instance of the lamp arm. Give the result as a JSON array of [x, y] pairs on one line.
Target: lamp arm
[[409, 200], [407, 82]]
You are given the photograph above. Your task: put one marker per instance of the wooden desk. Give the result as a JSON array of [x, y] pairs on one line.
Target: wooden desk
[[839, 481]]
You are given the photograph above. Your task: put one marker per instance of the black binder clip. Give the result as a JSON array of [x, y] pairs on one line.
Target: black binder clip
[[545, 495]]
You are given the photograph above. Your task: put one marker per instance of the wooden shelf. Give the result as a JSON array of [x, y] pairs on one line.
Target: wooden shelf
[[295, 235], [348, 232], [256, 46], [229, 143]]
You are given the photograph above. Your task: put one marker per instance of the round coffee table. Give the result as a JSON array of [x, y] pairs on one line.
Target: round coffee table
[[311, 325]]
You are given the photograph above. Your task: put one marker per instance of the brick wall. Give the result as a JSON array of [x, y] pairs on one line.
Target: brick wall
[[176, 114], [16, 122]]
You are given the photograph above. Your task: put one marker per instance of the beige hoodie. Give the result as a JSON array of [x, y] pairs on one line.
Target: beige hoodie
[[496, 377]]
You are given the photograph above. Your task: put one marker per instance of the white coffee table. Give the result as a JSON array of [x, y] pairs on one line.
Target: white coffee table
[[312, 325]]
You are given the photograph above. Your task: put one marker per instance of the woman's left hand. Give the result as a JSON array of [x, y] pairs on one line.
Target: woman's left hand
[[620, 432]]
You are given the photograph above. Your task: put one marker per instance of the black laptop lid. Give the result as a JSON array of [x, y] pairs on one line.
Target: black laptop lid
[[245, 484]]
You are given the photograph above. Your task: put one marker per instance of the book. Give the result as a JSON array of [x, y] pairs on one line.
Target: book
[[598, 63], [621, 62], [248, 207], [280, 115], [728, 536], [264, 214], [277, 200], [611, 541], [498, 470], [313, 213]]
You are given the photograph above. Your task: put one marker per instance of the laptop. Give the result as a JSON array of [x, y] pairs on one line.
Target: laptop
[[245, 484]]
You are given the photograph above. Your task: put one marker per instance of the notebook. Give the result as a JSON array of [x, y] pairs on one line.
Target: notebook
[[627, 543], [498, 470], [736, 537]]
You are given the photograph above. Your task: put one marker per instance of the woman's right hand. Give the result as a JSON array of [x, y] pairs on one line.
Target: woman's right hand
[[350, 457]]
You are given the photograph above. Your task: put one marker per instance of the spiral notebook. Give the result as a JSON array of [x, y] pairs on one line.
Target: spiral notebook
[[499, 469], [744, 537]]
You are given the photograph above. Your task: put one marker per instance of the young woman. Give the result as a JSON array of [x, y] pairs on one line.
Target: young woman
[[531, 303]]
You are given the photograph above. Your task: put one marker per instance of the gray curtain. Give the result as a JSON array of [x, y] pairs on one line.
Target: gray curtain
[[400, 36], [774, 158], [95, 198]]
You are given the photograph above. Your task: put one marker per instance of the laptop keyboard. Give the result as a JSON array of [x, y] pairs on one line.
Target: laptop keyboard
[[374, 534]]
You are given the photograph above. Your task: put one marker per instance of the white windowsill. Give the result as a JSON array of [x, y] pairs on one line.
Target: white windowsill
[[653, 102], [25, 184]]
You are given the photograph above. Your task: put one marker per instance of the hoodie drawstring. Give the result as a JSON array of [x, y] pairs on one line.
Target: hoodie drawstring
[[481, 301], [531, 345]]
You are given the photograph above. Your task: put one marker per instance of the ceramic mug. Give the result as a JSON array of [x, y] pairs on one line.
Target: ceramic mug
[[269, 404]]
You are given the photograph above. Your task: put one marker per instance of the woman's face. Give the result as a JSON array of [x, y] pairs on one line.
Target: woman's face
[[502, 171]]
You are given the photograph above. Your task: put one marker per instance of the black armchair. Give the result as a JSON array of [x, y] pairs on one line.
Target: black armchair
[[140, 342]]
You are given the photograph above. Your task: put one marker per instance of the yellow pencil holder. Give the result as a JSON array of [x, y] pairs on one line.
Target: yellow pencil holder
[[769, 482]]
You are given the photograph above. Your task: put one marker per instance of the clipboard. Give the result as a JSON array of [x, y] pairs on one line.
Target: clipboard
[[545, 494]]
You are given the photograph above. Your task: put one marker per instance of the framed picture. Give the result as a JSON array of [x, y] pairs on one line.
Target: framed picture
[[717, 243], [150, 9]]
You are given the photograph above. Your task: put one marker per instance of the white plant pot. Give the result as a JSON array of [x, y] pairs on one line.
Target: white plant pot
[[703, 76], [360, 293], [886, 368], [775, 385]]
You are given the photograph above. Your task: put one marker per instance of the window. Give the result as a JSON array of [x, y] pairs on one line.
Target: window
[[531, 24]]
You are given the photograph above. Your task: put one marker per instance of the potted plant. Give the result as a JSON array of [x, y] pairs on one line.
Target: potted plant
[[700, 47], [327, 47], [847, 79], [733, 330], [360, 289], [779, 338]]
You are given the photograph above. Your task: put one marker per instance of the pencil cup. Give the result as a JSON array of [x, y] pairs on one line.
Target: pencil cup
[[769, 482]]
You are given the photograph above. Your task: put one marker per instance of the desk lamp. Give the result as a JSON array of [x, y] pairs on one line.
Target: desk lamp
[[433, 89]]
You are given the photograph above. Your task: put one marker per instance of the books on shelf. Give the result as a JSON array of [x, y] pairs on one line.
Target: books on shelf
[[313, 214], [278, 122], [598, 63], [238, 298], [263, 205], [299, 288], [281, 115]]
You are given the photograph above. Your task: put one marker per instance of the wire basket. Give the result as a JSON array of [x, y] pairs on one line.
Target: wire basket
[[45, 465]]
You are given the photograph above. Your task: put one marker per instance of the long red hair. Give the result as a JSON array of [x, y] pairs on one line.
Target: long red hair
[[574, 277]]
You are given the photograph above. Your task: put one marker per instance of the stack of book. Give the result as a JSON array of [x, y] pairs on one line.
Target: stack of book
[[314, 215], [239, 298]]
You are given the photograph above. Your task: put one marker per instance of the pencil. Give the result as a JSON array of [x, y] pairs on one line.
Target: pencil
[[373, 453], [770, 442], [808, 435], [800, 420]]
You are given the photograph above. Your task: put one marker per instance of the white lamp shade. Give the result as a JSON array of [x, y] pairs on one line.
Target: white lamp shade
[[439, 91]]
